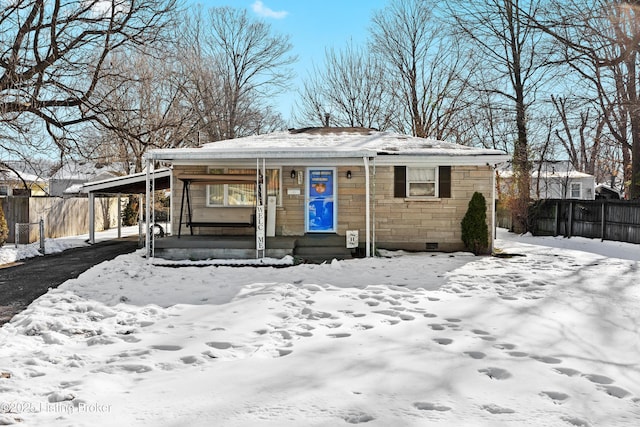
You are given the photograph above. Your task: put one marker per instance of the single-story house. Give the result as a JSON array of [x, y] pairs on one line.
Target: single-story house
[[12, 183], [366, 189], [552, 180]]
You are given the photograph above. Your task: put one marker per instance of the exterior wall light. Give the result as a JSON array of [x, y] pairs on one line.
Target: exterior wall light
[[348, 174], [293, 174]]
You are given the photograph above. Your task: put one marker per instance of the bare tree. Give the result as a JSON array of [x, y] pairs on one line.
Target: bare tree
[[351, 89], [501, 32], [143, 107], [54, 54], [599, 40], [581, 141], [425, 67], [236, 66]]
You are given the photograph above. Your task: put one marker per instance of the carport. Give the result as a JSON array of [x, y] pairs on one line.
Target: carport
[[128, 184]]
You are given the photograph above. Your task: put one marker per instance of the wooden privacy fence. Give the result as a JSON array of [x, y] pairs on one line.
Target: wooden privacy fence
[[617, 220], [62, 216]]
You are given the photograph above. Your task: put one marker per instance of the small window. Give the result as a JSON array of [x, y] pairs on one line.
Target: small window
[[576, 190], [4, 190], [422, 182], [240, 194]]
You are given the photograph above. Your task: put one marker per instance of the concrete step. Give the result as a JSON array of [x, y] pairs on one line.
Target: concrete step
[[319, 254]]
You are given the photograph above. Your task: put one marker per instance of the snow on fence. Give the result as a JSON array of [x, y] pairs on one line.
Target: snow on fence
[[617, 220]]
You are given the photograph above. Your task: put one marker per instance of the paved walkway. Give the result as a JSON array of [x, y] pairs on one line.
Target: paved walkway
[[28, 279]]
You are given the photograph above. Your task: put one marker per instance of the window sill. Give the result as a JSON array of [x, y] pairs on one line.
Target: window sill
[[422, 199]]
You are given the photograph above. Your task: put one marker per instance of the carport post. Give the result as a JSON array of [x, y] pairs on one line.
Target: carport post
[[92, 217], [148, 211], [119, 216]]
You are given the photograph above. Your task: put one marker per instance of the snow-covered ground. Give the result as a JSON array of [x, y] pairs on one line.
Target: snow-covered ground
[[549, 337]]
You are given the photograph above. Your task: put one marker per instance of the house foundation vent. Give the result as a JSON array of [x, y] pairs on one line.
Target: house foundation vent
[[432, 246]]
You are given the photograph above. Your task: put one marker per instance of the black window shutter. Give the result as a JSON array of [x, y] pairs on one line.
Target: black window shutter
[[399, 181], [444, 184]]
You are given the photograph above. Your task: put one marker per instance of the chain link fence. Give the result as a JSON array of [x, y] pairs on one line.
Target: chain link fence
[[30, 232]]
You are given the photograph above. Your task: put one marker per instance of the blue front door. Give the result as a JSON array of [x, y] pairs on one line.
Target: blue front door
[[321, 201]]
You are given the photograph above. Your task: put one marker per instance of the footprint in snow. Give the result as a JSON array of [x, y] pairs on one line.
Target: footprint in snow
[[475, 354], [191, 360], [495, 409], [166, 347], [358, 417], [220, 345], [504, 346], [443, 341], [430, 315], [428, 406], [547, 359], [436, 327], [598, 379], [517, 354], [576, 422], [479, 332], [615, 391], [362, 327], [495, 373], [567, 371], [339, 335], [304, 334], [556, 396]]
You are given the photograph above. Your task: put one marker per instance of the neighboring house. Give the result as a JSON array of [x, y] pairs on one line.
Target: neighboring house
[[395, 191], [553, 180], [12, 183], [45, 178], [69, 179]]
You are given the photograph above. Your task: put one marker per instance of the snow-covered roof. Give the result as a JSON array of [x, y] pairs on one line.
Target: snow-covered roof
[[326, 143]]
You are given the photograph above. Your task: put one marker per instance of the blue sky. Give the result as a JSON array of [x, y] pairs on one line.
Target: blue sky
[[313, 25]]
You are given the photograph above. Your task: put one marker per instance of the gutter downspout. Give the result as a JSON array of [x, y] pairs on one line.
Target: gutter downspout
[[147, 242], [493, 207], [367, 207]]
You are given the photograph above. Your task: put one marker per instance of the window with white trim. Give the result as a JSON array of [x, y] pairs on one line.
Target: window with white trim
[[422, 181], [576, 190], [237, 195]]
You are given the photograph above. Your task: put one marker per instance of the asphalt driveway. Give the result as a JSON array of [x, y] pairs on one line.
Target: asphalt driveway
[[30, 278]]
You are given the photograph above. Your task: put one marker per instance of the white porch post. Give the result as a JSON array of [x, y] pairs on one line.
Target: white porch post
[[493, 208], [147, 242], [92, 217], [367, 207], [140, 218]]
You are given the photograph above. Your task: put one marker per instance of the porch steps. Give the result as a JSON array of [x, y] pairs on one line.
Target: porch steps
[[318, 248]]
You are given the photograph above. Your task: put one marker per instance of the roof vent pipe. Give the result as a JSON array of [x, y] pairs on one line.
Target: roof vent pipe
[[326, 120]]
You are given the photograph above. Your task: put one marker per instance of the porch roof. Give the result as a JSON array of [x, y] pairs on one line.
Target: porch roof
[[130, 184]]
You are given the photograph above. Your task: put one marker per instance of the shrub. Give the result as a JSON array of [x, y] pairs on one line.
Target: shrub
[[475, 233], [4, 229], [130, 212]]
